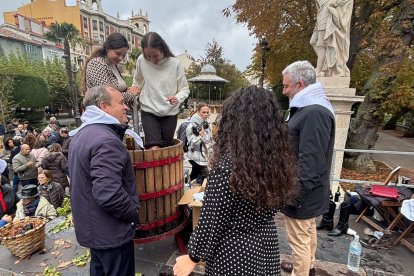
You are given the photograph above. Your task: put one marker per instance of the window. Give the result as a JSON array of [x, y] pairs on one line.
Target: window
[[86, 35], [95, 37], [94, 25], [85, 23], [102, 38], [107, 30], [33, 52], [101, 28], [87, 50], [129, 37]]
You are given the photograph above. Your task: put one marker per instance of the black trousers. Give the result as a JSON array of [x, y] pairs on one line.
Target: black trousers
[[159, 131], [119, 261], [197, 170]]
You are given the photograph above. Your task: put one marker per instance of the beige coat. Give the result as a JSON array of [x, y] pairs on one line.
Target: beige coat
[[44, 209]]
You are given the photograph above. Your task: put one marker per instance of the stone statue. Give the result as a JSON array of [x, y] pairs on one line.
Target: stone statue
[[330, 38]]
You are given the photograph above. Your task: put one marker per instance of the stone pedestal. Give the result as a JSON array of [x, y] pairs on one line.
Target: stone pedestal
[[342, 98]]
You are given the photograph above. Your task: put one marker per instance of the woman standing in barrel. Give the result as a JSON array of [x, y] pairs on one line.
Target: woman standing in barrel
[[101, 68], [161, 79]]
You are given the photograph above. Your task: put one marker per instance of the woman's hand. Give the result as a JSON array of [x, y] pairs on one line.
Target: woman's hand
[[172, 99], [183, 266], [134, 90]]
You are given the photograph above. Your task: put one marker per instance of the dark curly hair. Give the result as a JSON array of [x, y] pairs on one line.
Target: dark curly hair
[[253, 134]]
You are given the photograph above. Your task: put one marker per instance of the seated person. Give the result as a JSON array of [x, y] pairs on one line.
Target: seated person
[[33, 204], [50, 190]]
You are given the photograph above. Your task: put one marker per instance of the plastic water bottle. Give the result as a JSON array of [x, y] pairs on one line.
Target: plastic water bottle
[[354, 257], [378, 234]]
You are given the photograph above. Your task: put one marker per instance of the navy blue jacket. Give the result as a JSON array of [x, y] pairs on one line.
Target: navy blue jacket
[[312, 132], [103, 196]]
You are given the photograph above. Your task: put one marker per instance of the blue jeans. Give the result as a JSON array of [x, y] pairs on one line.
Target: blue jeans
[[16, 181]]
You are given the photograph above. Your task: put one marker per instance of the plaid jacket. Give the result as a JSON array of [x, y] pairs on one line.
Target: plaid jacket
[[99, 72]]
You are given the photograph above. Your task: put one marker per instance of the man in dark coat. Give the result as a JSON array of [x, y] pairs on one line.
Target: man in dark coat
[[312, 129], [103, 196]]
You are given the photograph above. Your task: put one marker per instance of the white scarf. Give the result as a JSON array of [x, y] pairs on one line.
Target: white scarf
[[94, 115], [312, 94]]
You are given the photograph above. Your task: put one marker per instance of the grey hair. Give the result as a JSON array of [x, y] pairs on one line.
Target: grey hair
[[301, 70], [96, 95]]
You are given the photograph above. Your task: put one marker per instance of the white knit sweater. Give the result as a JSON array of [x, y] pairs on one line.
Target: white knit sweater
[[157, 82]]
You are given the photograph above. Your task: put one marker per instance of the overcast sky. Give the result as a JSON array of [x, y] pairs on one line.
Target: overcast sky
[[184, 24]]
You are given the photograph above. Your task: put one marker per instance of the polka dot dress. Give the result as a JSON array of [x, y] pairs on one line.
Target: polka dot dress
[[231, 236]]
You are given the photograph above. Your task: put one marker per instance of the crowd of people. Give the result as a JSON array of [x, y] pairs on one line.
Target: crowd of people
[[257, 163], [34, 171]]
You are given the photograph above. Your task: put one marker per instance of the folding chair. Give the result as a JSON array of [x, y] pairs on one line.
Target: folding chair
[[389, 209]]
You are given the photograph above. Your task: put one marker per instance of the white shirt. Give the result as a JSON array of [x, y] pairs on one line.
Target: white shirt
[[157, 82]]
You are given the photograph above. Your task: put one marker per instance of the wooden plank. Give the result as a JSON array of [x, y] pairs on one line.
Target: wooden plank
[[150, 186], [140, 185], [166, 183], [173, 182], [160, 212]]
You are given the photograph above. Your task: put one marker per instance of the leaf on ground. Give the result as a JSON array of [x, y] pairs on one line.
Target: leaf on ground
[[63, 264], [17, 262], [67, 245], [55, 253], [43, 264], [59, 242]]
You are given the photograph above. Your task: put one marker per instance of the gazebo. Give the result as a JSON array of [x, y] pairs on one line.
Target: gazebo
[[213, 82]]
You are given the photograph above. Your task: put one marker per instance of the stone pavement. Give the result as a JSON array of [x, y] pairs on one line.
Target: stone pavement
[[390, 140], [159, 257]]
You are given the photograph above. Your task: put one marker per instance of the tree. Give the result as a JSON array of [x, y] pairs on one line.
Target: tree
[[52, 71], [69, 35], [288, 26], [131, 63], [392, 79], [7, 104]]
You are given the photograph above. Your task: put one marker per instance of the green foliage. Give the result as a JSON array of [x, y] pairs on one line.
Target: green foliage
[[61, 32], [51, 271], [129, 80], [7, 104], [30, 91], [69, 35], [83, 259], [65, 210], [52, 71], [62, 226]]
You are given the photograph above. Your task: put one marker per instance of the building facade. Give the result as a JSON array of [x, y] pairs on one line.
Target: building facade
[[26, 36], [90, 19]]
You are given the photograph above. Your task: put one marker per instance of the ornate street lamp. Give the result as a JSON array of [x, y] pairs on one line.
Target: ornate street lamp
[[75, 71], [265, 49]]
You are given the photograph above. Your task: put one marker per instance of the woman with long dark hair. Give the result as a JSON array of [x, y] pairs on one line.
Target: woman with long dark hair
[[101, 68], [253, 175], [160, 77]]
